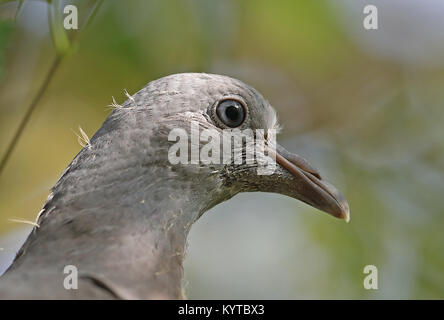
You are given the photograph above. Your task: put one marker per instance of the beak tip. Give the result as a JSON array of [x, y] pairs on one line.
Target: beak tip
[[346, 217], [345, 214]]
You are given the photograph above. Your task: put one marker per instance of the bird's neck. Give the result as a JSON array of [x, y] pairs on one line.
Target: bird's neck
[[131, 232]]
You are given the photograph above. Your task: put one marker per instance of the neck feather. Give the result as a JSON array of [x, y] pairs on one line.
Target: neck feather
[[126, 222]]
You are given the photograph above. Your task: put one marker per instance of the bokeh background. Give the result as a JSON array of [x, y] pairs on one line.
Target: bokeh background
[[364, 106]]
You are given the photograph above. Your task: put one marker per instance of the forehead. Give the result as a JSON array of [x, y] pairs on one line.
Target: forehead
[[195, 92], [202, 85]]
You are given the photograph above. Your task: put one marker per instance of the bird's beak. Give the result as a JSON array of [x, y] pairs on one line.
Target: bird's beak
[[310, 188]]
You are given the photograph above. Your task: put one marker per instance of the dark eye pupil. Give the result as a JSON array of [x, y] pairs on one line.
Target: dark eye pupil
[[231, 113]]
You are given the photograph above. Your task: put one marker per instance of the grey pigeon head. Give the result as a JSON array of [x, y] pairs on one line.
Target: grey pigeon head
[[145, 120], [122, 210]]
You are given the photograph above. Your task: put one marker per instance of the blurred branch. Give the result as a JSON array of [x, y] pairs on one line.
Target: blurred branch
[[19, 8], [50, 75]]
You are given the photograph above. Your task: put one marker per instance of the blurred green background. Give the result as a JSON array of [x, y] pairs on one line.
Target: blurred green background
[[364, 106]]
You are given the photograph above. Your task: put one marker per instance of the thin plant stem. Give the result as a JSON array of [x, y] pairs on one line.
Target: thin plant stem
[[29, 112], [35, 101]]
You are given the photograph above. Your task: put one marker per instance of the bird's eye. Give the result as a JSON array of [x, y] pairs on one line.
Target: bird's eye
[[231, 113]]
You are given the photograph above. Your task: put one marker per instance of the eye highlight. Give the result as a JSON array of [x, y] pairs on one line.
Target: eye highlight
[[231, 113]]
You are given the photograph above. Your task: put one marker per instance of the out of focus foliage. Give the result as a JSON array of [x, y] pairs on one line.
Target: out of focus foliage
[[366, 107], [5, 31]]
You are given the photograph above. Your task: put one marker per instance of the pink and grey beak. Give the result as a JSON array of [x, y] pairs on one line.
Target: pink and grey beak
[[311, 189]]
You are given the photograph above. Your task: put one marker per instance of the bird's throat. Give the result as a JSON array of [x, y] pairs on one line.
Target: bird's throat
[[134, 243]]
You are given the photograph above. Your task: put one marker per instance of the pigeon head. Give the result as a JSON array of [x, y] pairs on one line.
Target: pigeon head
[[191, 127]]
